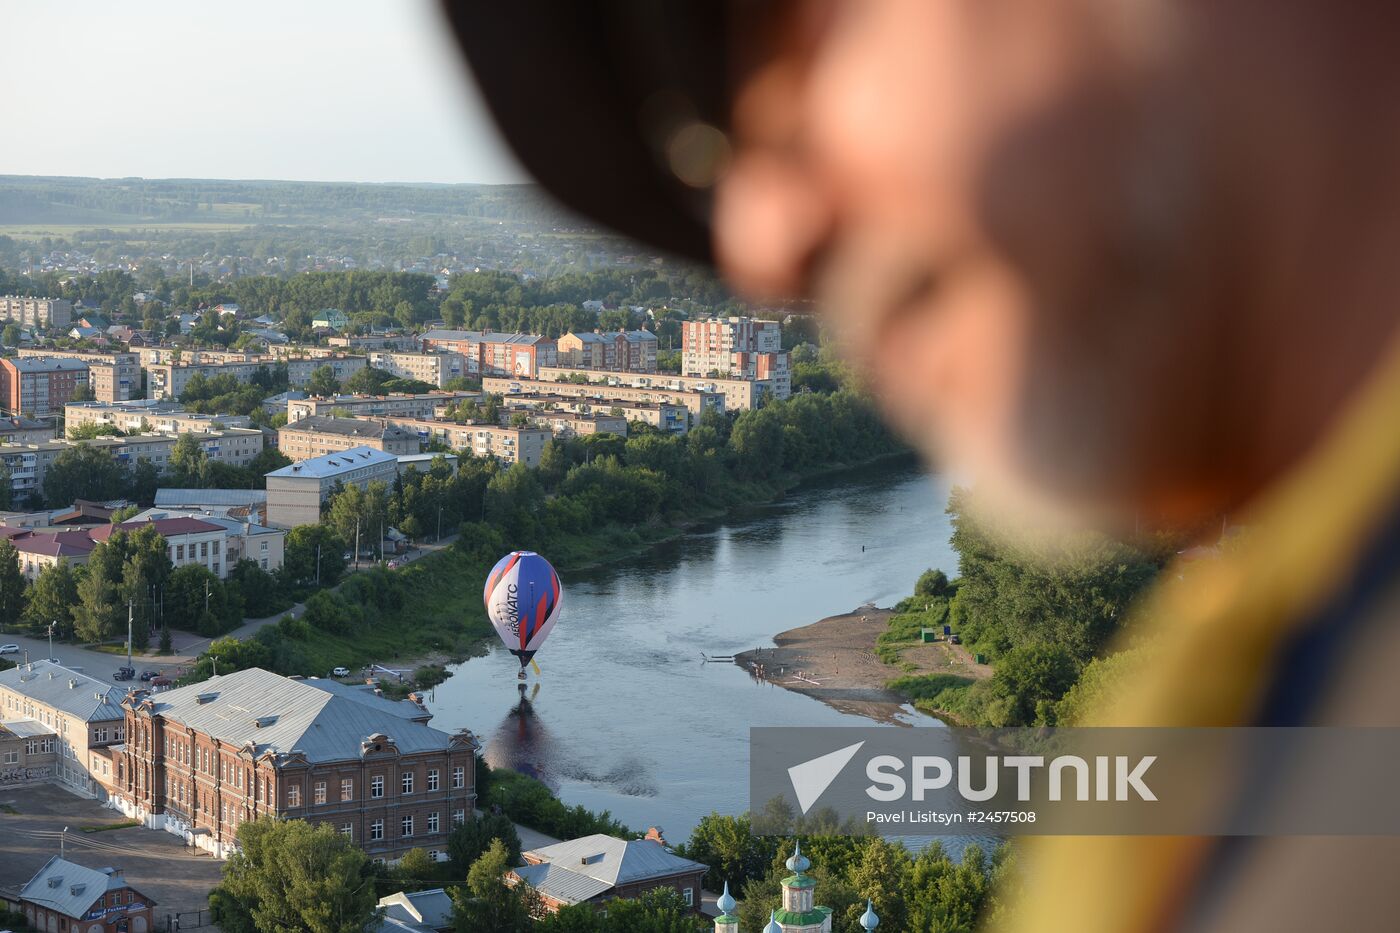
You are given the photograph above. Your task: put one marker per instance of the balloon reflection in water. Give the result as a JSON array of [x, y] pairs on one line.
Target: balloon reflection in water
[[522, 742]]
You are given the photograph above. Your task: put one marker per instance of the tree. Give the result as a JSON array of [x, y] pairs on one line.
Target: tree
[[312, 552], [10, 336], [323, 381], [52, 597], [366, 509], [187, 460], [256, 588], [11, 585], [198, 601], [84, 472], [288, 875], [368, 381], [489, 904], [98, 615], [145, 479], [467, 842], [729, 846]]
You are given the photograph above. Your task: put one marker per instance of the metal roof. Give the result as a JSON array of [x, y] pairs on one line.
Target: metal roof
[[189, 498], [68, 690], [349, 427], [72, 889], [45, 364], [480, 337], [25, 728], [561, 884], [615, 861], [337, 463], [429, 909], [320, 719]]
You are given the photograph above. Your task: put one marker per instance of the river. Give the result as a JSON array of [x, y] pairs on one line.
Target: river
[[625, 717]]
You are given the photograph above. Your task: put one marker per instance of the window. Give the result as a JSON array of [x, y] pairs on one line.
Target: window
[[406, 826], [435, 855], [407, 782], [376, 786], [459, 777], [293, 795], [432, 779], [376, 829], [347, 830], [432, 822], [689, 895], [347, 788], [459, 817], [179, 552], [12, 757], [204, 549], [318, 793]]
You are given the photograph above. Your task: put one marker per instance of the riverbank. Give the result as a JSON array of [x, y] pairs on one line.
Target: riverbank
[[834, 660]]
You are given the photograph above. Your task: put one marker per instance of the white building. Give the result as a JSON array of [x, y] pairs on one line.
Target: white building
[[295, 492]]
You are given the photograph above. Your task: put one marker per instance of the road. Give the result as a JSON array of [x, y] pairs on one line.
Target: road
[[185, 645]]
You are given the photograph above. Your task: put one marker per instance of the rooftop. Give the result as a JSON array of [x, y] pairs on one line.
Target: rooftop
[[45, 364], [70, 888], [331, 465], [189, 498], [349, 427], [320, 719], [165, 526], [583, 868], [62, 688], [477, 336]]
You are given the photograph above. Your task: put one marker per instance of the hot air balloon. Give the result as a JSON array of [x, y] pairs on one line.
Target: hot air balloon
[[523, 600]]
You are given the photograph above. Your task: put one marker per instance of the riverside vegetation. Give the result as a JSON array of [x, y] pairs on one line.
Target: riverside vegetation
[[1043, 609]]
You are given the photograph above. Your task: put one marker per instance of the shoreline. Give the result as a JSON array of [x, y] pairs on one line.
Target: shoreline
[[833, 660]]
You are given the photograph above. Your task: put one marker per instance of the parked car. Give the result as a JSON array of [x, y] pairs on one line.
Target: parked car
[[124, 673], [341, 672], [149, 675], [9, 649], [955, 639]]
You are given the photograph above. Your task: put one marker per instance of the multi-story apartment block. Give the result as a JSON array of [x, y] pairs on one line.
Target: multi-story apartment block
[[147, 415], [299, 370], [507, 444], [740, 347], [169, 380], [398, 405], [363, 342], [295, 492], [739, 394], [114, 377], [432, 368], [603, 395], [548, 409], [40, 385], [577, 423], [631, 351], [492, 354], [25, 431], [41, 313], [81, 715], [202, 760], [318, 435]]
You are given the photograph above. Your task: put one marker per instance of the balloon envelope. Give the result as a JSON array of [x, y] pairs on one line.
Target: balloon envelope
[[523, 601]]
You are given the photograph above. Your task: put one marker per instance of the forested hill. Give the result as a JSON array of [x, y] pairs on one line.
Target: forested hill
[[123, 201]]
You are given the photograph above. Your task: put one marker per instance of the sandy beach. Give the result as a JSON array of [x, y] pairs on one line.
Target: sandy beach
[[834, 661]]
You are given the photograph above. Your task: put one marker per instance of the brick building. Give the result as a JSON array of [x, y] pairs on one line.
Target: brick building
[[595, 869], [492, 354], [202, 760], [620, 351], [317, 436], [114, 377], [35, 386], [741, 347], [65, 897]]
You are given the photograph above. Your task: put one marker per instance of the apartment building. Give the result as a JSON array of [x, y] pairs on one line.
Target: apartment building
[[80, 716], [507, 444], [25, 431], [433, 368], [738, 347], [28, 463], [604, 395], [401, 405], [169, 379], [40, 313], [577, 423], [619, 351], [364, 342], [204, 759], [739, 394], [40, 385], [558, 409], [299, 369], [492, 354], [295, 492], [147, 415], [113, 377], [319, 435]]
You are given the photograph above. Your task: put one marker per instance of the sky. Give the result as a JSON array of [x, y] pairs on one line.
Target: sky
[[308, 90]]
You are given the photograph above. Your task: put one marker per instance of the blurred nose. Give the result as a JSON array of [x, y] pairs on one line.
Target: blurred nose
[[769, 224]]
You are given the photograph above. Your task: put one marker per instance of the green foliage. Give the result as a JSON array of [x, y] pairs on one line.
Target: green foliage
[[529, 802], [729, 846], [290, 875], [467, 842], [198, 601], [84, 472], [52, 597], [323, 381], [12, 585], [1098, 682], [312, 554], [93, 429], [488, 904]]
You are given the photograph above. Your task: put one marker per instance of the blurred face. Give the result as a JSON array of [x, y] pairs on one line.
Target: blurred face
[[999, 207]]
